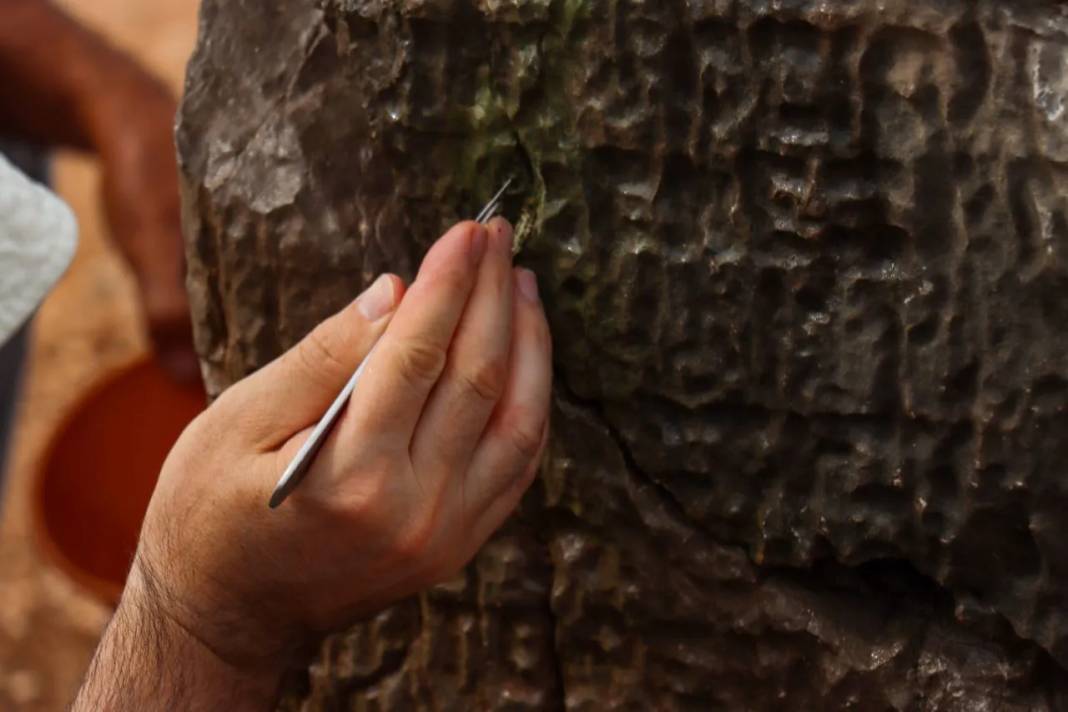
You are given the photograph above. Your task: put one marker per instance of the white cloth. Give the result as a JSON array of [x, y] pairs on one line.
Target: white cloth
[[38, 235]]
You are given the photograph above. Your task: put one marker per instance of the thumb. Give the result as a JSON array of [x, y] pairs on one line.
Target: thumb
[[293, 391]]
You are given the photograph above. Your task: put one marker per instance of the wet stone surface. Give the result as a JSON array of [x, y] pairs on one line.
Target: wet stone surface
[[805, 264]]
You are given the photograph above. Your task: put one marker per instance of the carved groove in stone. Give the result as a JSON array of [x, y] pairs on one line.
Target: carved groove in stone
[[805, 264]]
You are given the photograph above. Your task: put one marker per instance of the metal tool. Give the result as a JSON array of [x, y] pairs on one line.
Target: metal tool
[[302, 461]]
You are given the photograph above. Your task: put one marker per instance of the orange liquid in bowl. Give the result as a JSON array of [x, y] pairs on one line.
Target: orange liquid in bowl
[[101, 468]]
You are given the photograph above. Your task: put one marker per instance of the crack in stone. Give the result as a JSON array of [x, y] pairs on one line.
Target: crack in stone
[[806, 578], [785, 110]]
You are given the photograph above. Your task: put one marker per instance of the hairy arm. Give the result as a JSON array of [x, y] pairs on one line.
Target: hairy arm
[[148, 661]]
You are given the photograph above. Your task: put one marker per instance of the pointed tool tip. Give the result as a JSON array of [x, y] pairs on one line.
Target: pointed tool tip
[[277, 497]]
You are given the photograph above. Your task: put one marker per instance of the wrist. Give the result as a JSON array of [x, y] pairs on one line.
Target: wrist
[[257, 675], [148, 659]]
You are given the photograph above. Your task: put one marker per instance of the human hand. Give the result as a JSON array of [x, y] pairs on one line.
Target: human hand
[[441, 438]]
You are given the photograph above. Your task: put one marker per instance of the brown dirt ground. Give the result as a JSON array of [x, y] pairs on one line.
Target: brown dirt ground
[[88, 326]]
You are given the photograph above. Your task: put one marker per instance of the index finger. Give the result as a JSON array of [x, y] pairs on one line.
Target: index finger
[[411, 354]]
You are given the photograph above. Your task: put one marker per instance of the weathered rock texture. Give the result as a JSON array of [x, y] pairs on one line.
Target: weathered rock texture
[[807, 270]]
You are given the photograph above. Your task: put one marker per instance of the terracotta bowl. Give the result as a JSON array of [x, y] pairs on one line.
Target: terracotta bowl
[[100, 469]]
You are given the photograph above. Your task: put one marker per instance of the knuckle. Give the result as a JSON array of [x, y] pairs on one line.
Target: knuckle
[[486, 380], [360, 499], [413, 543], [523, 429], [421, 361], [456, 281], [320, 351]]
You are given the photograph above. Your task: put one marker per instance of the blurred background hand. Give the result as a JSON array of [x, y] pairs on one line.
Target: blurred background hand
[[134, 141], [63, 85]]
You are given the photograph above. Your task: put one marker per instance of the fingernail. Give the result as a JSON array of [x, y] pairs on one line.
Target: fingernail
[[377, 300], [528, 285], [477, 245]]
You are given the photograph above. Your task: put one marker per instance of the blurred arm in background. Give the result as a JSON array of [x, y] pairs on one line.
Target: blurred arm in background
[[63, 85]]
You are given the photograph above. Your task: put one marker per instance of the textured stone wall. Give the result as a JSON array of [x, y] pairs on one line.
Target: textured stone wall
[[806, 265]]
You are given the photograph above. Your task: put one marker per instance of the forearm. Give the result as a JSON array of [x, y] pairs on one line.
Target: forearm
[[146, 661], [53, 72]]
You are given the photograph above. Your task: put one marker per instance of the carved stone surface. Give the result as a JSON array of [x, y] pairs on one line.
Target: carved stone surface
[[806, 265]]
